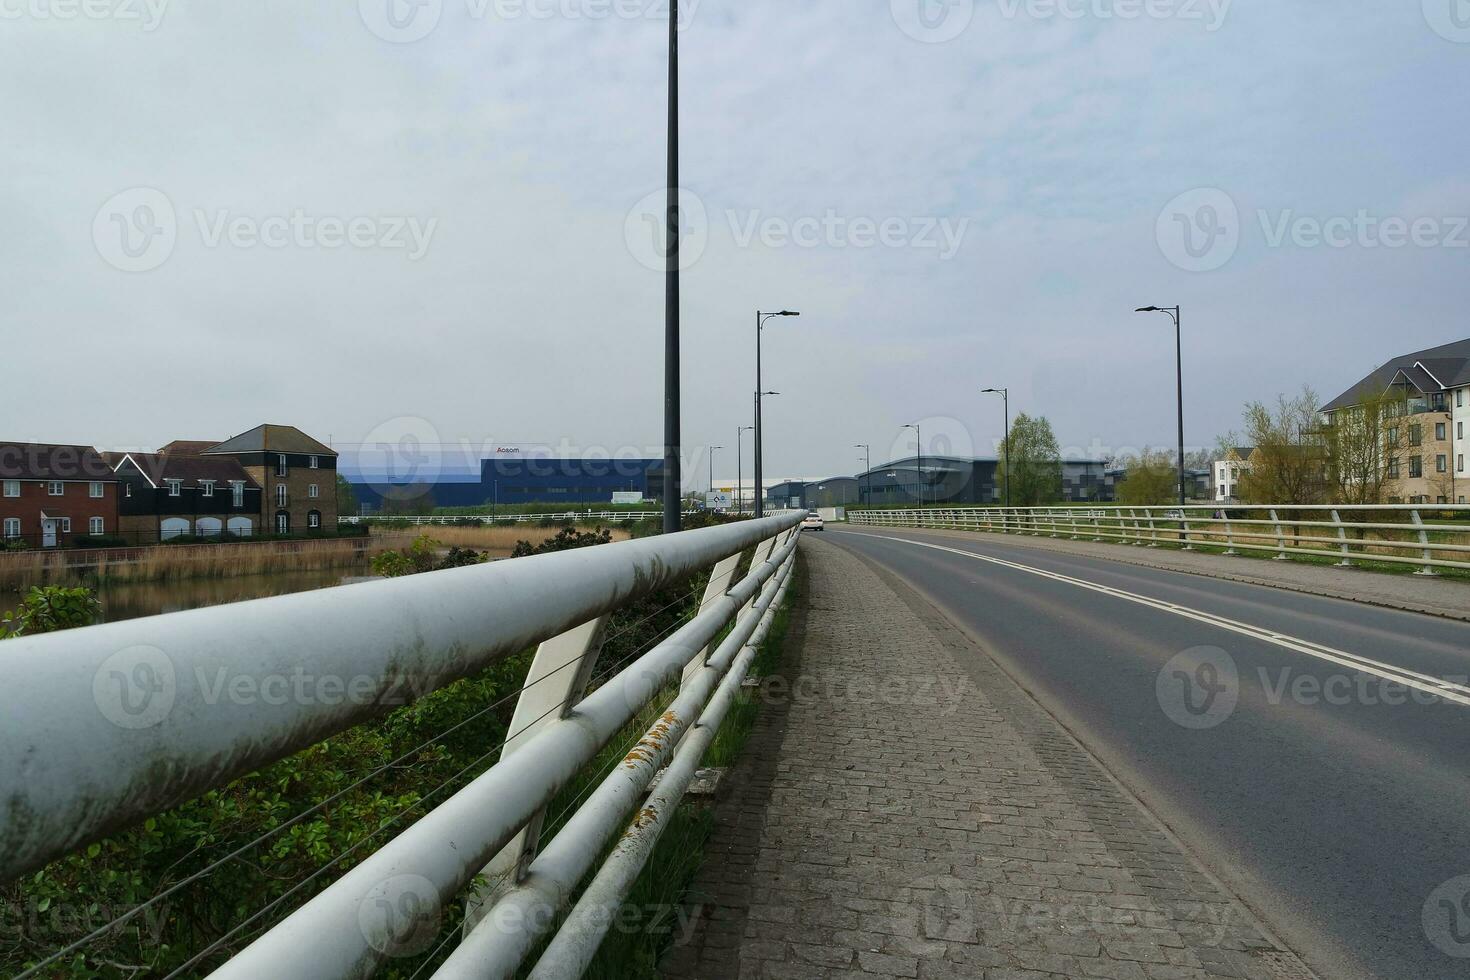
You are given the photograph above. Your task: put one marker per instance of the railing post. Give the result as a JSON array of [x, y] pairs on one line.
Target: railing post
[[1184, 534], [1153, 529], [1342, 537], [1096, 526], [557, 680], [1229, 537], [1428, 570], [719, 584], [1280, 537]]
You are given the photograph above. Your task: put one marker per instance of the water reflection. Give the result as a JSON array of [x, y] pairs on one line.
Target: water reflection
[[133, 600]]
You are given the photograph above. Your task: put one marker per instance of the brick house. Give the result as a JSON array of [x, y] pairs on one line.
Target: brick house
[[296, 473], [170, 494], [52, 494]]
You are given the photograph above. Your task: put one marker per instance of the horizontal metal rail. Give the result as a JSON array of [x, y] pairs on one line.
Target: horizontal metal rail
[[1424, 536], [110, 724]]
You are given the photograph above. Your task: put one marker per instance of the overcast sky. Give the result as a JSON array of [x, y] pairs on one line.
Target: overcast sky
[[374, 221]]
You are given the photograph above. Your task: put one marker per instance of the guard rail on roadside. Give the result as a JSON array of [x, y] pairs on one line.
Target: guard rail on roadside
[[111, 724], [1427, 537]]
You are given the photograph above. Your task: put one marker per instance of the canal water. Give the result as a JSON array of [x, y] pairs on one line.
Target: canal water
[[132, 600]]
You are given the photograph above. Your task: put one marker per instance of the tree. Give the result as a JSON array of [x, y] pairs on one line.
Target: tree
[[1036, 474], [1364, 446], [1152, 479], [346, 497], [1289, 465]]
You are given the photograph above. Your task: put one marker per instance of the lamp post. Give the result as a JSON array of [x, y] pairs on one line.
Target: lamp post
[[919, 448], [712, 451], [867, 471], [739, 461], [760, 323], [673, 506], [1173, 311], [1006, 394]]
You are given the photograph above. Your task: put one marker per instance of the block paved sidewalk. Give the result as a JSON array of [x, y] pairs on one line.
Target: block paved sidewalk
[[904, 810]]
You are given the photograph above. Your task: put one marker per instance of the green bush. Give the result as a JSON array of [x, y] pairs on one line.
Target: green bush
[[51, 608]]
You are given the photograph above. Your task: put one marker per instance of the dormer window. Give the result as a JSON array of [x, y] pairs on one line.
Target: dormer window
[[175, 487], [206, 488]]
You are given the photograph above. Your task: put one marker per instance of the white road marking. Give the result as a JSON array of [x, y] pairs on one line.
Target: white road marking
[[1427, 683]]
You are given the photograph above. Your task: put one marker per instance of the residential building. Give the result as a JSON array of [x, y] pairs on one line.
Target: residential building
[[170, 494], [1426, 449], [1228, 471], [297, 476], [50, 495]]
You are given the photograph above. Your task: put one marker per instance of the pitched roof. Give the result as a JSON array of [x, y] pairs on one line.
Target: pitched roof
[[189, 447], [49, 461], [1435, 369], [271, 439], [159, 467]]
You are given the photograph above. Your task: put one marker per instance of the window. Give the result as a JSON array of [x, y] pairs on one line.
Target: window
[[1460, 463], [12, 488], [66, 525], [12, 527], [1416, 467], [175, 487], [280, 495], [1460, 403], [1459, 430], [94, 489], [1441, 463], [1393, 470], [281, 465], [1416, 434], [283, 523], [206, 488], [314, 519], [1439, 430], [1392, 437], [96, 526], [314, 464], [56, 488], [313, 491], [237, 493]]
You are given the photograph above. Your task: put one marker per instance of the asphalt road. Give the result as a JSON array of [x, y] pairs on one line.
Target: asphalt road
[[1329, 792]]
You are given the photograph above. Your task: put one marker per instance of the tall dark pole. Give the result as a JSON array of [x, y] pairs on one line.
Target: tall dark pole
[[1176, 313], [760, 497], [739, 463], [1005, 393], [712, 451], [673, 504]]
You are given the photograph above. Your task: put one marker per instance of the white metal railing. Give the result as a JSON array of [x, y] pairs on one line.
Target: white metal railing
[[1425, 536], [114, 723], [571, 515]]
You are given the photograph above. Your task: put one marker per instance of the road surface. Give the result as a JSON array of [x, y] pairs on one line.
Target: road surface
[[1314, 753]]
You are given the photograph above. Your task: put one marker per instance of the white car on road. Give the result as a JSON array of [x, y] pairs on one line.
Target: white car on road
[[813, 522]]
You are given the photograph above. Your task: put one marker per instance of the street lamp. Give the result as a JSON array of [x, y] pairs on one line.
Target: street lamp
[[1006, 394], [673, 505], [867, 471], [712, 451], [739, 461], [919, 448], [1173, 311], [760, 323]]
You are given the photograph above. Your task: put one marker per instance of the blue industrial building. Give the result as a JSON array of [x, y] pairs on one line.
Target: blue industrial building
[[518, 480]]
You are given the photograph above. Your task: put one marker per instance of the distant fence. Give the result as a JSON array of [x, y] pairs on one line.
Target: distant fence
[[1425, 536], [602, 516]]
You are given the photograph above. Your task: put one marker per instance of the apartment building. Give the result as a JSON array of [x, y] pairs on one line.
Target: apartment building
[[52, 494], [1229, 471], [171, 494], [296, 473], [1425, 446]]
